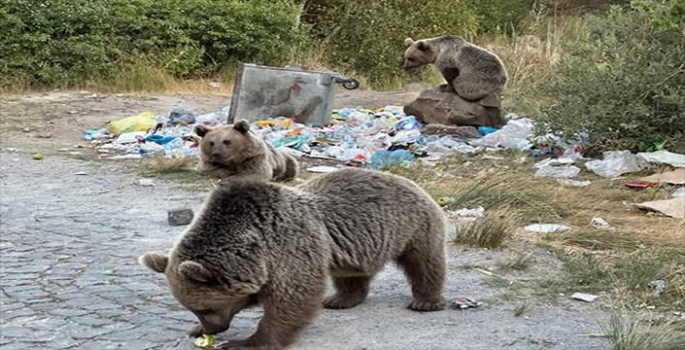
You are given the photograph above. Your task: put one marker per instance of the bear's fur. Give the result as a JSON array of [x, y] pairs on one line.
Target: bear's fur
[[471, 71], [269, 244], [233, 151]]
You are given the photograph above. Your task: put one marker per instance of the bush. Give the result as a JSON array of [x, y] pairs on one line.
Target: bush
[[367, 35], [59, 41], [623, 84], [500, 16]]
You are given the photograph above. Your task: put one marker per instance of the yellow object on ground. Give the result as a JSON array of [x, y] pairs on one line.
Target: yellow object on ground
[[206, 341], [37, 156], [140, 122], [286, 123]]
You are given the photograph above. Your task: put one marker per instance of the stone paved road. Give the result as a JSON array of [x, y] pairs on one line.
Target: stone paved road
[[70, 279]]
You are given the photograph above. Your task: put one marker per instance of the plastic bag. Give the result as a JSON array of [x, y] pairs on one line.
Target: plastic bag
[[557, 172], [514, 135], [615, 164], [679, 192], [182, 115], [140, 122], [214, 118], [386, 159], [664, 157]]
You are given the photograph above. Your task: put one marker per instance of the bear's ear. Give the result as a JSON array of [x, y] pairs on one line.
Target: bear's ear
[[154, 261], [422, 45], [242, 126], [408, 42], [201, 130], [195, 271]]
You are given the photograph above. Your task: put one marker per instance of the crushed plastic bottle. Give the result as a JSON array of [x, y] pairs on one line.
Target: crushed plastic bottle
[[389, 159]]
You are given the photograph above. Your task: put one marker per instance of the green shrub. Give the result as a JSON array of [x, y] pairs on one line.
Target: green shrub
[[367, 35], [500, 16], [623, 84], [59, 41]]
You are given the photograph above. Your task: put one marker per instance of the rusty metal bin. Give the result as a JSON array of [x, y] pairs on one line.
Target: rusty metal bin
[[262, 92]]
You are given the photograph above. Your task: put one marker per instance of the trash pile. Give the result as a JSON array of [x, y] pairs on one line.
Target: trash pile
[[355, 137], [383, 138]]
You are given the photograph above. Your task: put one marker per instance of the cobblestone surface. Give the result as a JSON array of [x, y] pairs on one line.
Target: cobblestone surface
[[70, 279]]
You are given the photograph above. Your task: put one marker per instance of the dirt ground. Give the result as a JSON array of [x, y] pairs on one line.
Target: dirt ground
[[72, 230]]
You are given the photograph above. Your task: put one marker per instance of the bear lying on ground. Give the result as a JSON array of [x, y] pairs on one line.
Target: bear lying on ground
[[232, 151], [269, 244]]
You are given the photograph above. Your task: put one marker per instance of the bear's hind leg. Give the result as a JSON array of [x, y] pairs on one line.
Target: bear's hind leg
[[425, 270], [350, 292]]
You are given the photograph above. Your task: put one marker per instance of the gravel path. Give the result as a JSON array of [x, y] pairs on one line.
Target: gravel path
[[70, 279]]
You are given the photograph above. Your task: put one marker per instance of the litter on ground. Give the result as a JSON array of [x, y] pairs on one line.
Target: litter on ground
[[375, 139], [573, 183], [356, 137], [546, 228], [674, 207], [676, 177]]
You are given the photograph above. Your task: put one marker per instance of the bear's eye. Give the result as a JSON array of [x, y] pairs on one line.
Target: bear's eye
[[227, 142], [211, 143]]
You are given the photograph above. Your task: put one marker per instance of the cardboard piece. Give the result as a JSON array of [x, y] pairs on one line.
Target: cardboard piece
[[674, 207], [676, 177]]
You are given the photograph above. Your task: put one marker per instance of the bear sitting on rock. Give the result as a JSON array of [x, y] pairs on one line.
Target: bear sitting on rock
[[475, 79], [261, 243], [232, 151]]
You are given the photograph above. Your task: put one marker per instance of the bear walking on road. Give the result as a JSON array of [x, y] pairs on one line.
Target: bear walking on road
[[263, 243]]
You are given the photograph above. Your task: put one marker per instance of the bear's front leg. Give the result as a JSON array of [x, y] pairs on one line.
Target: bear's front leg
[[287, 311]]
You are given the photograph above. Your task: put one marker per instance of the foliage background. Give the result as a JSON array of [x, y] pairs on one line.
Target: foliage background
[[613, 69]]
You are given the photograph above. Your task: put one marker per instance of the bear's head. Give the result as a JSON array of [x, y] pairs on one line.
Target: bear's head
[[211, 296], [418, 53], [225, 146]]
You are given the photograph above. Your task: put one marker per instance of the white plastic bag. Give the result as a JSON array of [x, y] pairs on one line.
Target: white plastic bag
[[514, 135], [557, 172], [615, 164]]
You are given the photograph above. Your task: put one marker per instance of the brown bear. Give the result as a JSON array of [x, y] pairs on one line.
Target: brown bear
[[233, 151], [472, 72], [270, 244]]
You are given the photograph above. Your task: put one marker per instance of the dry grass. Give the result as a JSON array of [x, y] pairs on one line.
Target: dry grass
[[160, 166], [489, 232], [136, 79], [637, 249], [521, 262], [631, 334]]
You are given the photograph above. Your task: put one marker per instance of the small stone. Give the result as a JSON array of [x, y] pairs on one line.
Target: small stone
[[146, 182], [588, 298], [73, 112], [27, 130], [44, 136], [180, 217]]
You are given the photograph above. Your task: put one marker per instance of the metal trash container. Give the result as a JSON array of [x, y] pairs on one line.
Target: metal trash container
[[261, 92]]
